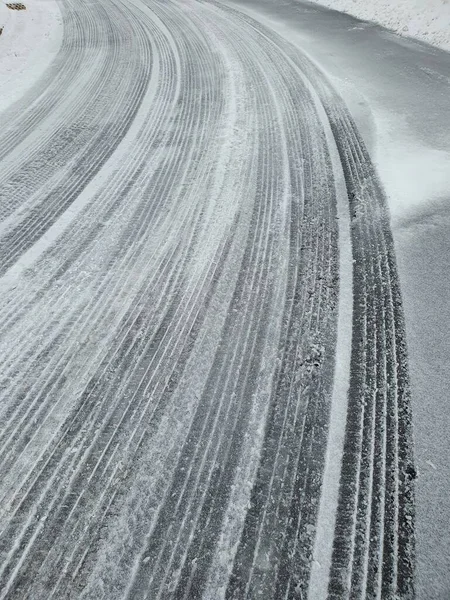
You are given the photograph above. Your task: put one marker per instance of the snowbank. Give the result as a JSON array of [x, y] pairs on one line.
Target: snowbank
[[427, 20]]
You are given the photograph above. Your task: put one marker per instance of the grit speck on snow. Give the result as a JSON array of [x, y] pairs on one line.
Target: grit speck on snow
[[426, 20]]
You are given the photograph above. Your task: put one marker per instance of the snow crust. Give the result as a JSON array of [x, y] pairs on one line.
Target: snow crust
[[426, 20]]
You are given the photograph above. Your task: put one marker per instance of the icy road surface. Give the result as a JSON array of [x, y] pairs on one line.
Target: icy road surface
[[204, 373]]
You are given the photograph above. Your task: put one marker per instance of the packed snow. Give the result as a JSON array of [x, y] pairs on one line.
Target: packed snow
[[177, 285], [426, 20]]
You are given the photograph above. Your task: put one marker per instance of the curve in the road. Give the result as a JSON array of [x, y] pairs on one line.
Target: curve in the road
[[168, 353]]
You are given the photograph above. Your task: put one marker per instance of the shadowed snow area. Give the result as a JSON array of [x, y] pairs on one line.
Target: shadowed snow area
[[223, 304]]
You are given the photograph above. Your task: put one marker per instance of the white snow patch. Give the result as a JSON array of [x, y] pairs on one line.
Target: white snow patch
[[427, 20], [413, 173], [30, 40]]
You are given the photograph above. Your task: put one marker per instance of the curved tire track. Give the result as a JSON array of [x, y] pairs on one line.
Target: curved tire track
[[168, 361]]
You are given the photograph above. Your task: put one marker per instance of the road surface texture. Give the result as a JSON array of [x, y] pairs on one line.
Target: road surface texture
[[204, 373]]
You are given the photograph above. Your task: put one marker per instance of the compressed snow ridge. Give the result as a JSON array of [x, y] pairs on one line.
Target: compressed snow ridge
[[427, 20]]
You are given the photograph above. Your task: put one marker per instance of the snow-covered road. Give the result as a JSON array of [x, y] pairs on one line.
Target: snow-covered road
[[204, 374]]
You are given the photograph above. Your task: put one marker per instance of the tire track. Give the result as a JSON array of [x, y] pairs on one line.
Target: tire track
[[392, 568], [189, 103], [167, 361], [193, 578], [90, 144]]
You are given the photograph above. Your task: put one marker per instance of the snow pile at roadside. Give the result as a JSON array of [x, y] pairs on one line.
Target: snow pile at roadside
[[427, 20]]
